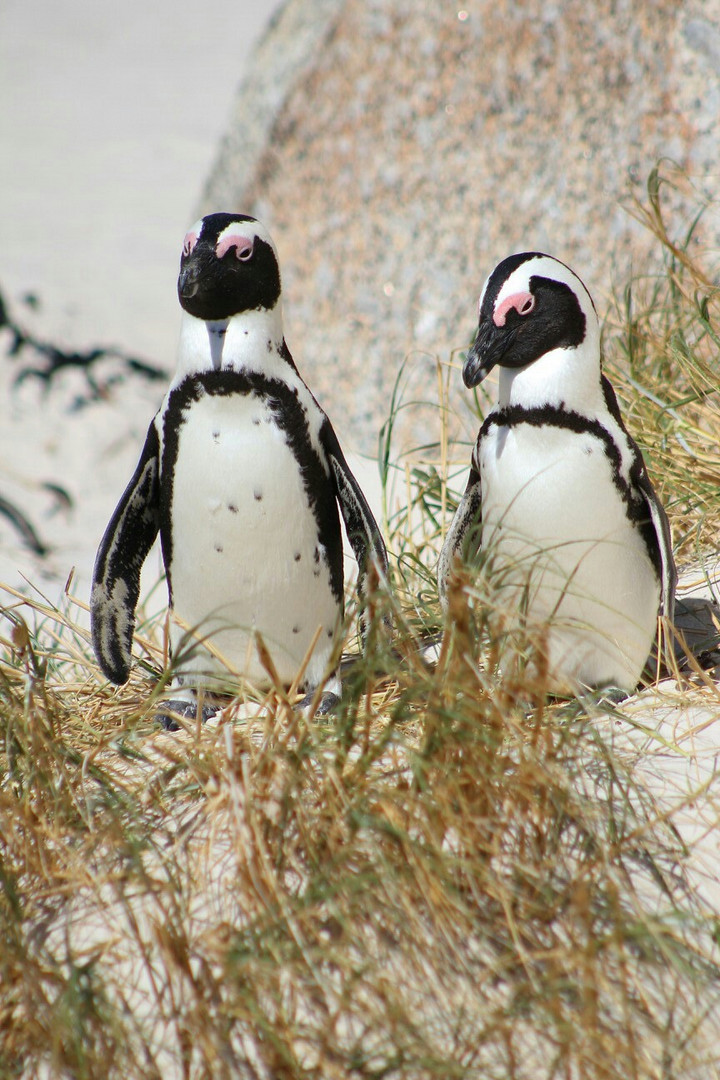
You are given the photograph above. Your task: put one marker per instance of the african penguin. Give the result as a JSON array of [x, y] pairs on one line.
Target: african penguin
[[558, 506], [241, 474]]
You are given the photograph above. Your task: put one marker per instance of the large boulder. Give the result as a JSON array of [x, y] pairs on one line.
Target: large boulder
[[397, 151]]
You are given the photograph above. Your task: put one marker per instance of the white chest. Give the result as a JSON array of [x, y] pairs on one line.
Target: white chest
[[246, 556], [562, 549], [549, 485], [235, 475]]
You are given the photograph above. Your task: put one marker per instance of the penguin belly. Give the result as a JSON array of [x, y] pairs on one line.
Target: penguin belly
[[246, 557], [565, 561]]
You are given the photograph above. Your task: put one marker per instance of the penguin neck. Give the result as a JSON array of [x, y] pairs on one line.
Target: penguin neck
[[562, 378], [249, 341]]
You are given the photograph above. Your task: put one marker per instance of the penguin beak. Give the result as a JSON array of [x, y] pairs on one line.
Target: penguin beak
[[487, 350], [196, 270], [189, 280]]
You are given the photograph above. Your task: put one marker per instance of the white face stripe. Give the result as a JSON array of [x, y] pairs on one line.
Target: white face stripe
[[542, 266], [191, 237], [234, 236], [196, 227]]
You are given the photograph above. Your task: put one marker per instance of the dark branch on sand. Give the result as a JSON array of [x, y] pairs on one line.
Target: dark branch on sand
[[23, 526], [58, 358]]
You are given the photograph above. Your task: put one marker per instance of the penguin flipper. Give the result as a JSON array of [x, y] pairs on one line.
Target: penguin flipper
[[658, 518], [122, 552], [661, 526], [362, 529], [463, 536]]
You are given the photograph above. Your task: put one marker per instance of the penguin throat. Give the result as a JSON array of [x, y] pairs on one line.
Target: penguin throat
[[216, 337], [562, 377], [251, 341]]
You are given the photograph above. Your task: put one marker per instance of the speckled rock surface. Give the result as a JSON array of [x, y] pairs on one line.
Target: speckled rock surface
[[397, 151]]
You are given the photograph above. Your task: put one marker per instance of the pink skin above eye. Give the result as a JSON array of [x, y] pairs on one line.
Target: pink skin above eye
[[189, 242], [522, 302], [243, 244]]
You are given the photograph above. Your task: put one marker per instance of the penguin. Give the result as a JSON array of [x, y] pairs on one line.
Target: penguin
[[242, 475], [559, 509]]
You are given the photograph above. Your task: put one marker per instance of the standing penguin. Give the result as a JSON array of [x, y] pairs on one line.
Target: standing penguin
[[241, 474], [558, 504]]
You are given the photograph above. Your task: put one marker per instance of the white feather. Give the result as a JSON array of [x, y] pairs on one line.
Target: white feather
[[562, 546], [244, 546]]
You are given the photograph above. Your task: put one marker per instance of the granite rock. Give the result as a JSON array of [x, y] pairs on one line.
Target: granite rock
[[398, 151]]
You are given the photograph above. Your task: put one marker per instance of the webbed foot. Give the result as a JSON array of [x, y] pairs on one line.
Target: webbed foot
[[605, 695], [614, 694], [187, 710], [327, 703]]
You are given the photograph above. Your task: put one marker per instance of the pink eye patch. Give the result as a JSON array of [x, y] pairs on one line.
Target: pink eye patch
[[189, 242], [522, 302], [243, 244]]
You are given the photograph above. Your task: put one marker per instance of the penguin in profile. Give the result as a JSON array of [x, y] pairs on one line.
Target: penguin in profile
[[241, 474], [558, 506]]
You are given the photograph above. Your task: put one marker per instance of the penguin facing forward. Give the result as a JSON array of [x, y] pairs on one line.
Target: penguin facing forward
[[241, 474], [558, 505]]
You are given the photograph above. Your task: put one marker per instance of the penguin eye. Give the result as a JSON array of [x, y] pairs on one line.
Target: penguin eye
[[189, 243], [527, 306], [243, 253]]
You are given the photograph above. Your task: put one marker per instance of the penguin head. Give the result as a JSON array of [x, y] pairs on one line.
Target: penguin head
[[534, 308], [229, 265]]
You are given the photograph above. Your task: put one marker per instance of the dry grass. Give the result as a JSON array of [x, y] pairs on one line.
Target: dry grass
[[662, 339], [452, 878]]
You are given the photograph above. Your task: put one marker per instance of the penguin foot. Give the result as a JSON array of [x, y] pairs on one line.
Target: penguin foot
[[326, 704], [188, 710], [606, 695], [614, 694]]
